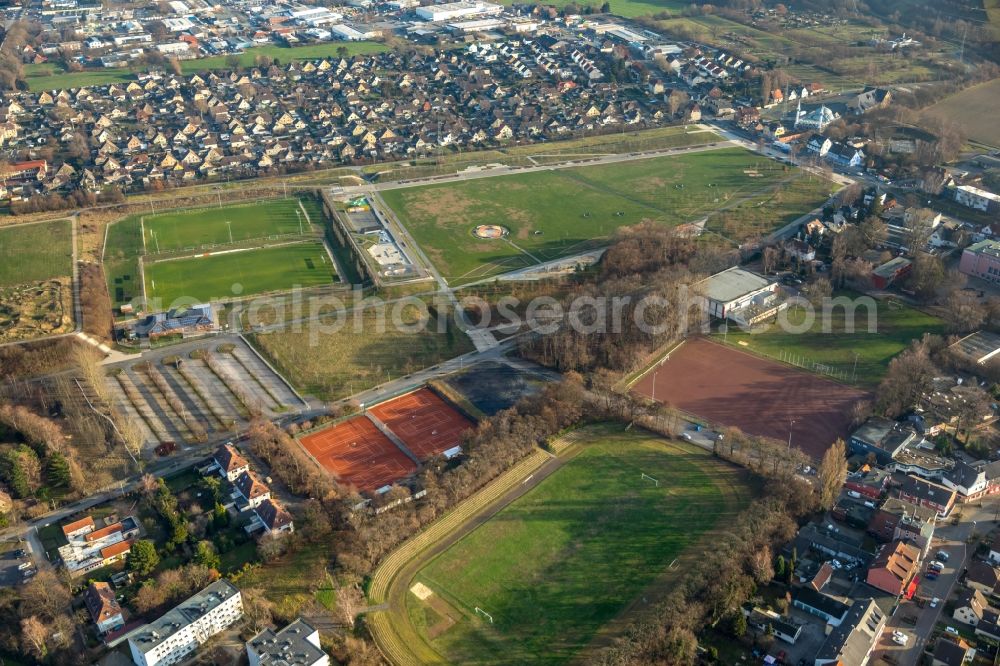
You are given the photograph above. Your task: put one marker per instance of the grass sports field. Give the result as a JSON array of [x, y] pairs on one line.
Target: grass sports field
[[202, 228], [242, 273], [975, 110], [562, 561], [285, 250], [896, 326], [35, 252], [552, 214]]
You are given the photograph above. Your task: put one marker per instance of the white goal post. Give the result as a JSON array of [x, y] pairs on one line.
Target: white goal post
[[647, 477], [480, 611]]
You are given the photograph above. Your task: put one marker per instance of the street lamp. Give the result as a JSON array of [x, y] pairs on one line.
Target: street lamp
[[790, 424]]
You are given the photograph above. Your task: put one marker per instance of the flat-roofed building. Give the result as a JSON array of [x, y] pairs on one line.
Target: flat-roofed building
[[298, 644], [982, 260], [739, 295], [181, 630], [978, 199]]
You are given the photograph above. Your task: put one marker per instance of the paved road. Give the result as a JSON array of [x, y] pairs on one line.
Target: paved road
[[950, 538]]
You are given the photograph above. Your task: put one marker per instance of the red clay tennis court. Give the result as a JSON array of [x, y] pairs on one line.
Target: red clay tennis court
[[358, 454], [426, 423], [759, 396]]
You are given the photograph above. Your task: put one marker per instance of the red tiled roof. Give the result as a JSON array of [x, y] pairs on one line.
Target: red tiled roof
[[103, 532], [78, 525], [116, 549]]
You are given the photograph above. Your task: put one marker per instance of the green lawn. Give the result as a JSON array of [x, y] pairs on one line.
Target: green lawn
[[243, 273], [121, 260], [49, 76], [896, 325], [202, 228], [360, 349], [551, 214], [35, 252], [560, 562]]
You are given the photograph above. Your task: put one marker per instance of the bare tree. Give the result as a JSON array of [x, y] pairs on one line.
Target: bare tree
[[34, 633], [832, 473]]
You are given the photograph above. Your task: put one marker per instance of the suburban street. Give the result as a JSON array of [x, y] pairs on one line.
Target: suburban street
[[952, 539]]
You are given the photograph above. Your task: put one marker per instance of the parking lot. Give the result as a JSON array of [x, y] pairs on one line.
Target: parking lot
[[10, 572]]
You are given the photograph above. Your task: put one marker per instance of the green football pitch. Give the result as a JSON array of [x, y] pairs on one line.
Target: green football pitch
[[558, 213], [237, 274], [551, 569], [203, 228]]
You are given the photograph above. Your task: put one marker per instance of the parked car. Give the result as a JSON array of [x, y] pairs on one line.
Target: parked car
[[942, 555], [951, 630], [934, 602]]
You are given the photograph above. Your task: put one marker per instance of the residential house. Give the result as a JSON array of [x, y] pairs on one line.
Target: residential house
[[854, 639], [968, 482], [895, 569], [994, 555], [969, 606], [977, 199], [948, 652], [982, 576], [989, 625], [830, 609], [252, 489], [782, 627], [819, 144], [927, 494], [899, 520], [799, 250], [870, 99], [230, 463], [274, 517], [100, 600]]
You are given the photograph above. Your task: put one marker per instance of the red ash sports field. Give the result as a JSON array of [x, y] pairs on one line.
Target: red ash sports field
[[358, 454], [758, 396], [426, 423]]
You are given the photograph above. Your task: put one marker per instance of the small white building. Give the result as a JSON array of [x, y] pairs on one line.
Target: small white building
[[181, 630]]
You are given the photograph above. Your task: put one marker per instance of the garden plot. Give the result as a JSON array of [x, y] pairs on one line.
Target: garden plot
[[204, 395]]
